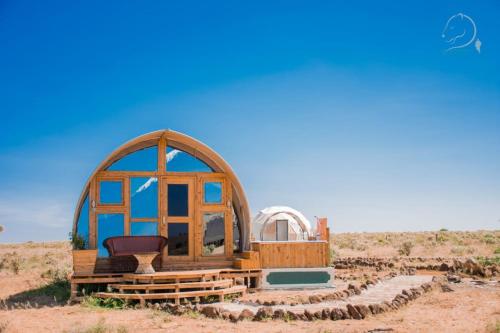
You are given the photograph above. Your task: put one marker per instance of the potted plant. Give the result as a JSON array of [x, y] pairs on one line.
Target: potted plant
[[83, 259]]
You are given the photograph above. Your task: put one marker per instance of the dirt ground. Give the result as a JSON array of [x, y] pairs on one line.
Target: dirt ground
[[28, 272]]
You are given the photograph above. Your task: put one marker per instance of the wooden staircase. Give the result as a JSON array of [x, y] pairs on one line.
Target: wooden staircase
[[172, 286]]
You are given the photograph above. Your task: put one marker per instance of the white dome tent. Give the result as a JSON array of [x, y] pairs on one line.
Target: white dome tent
[[281, 223]]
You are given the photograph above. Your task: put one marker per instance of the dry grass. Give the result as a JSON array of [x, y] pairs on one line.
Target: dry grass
[[441, 243]]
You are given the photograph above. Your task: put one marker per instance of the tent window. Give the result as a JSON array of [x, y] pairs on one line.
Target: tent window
[[213, 192], [213, 234], [144, 197], [281, 230], [82, 227], [180, 161], [178, 239], [108, 225], [140, 160], [110, 192], [236, 233], [144, 228]]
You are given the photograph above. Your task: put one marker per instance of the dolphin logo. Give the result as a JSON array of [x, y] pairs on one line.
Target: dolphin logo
[[460, 31]]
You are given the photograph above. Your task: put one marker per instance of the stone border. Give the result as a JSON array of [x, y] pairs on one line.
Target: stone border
[[352, 311]]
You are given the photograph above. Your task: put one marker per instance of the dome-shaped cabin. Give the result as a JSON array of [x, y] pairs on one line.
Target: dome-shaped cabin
[[169, 184]]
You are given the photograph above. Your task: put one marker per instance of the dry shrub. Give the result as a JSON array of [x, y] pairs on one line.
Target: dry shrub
[[406, 248]]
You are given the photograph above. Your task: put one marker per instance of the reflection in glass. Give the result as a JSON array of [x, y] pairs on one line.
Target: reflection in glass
[[213, 234], [144, 228], [140, 160], [236, 233], [108, 225], [143, 197], [180, 161], [178, 239], [213, 192], [178, 198], [110, 192], [82, 227]]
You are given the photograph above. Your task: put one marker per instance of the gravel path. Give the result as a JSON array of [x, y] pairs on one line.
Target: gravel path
[[383, 291]]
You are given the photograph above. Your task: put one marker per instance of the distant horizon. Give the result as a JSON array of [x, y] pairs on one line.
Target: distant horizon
[[356, 111]]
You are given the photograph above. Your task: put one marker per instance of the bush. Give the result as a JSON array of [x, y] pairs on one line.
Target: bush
[[406, 248], [77, 241], [107, 303]]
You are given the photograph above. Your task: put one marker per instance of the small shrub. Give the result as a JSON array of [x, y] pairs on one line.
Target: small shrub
[[489, 239], [497, 250], [77, 241], [107, 303], [443, 229], [406, 248]]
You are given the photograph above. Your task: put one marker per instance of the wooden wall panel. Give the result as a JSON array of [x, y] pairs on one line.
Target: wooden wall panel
[[292, 254]]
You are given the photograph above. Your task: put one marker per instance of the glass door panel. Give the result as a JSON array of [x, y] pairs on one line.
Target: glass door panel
[[178, 216]]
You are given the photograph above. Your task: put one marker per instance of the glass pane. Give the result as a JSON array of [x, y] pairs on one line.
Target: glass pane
[[180, 161], [110, 192], [144, 228], [143, 197], [213, 192], [213, 234], [236, 233], [178, 239], [82, 227], [140, 160], [108, 225], [178, 198], [281, 230]]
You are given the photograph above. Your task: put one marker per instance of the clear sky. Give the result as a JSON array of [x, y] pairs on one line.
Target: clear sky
[[351, 110]]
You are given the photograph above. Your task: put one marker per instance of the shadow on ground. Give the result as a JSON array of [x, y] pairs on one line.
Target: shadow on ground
[[54, 293]]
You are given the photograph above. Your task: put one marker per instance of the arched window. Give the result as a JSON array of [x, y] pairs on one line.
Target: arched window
[[180, 161], [82, 227], [145, 159]]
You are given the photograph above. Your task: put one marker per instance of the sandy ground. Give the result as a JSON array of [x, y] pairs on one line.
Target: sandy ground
[[468, 309]]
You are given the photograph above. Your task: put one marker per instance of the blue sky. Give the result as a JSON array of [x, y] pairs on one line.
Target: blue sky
[[350, 110]]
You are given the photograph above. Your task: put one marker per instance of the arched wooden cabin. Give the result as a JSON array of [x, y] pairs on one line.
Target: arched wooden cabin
[[166, 183]]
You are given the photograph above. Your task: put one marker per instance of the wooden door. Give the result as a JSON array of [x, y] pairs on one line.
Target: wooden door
[[178, 216]]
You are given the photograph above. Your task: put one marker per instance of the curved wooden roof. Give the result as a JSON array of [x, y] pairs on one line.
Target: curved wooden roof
[[190, 145]]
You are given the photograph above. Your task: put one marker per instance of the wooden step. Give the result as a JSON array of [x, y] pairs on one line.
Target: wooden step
[[226, 283], [174, 296], [176, 276]]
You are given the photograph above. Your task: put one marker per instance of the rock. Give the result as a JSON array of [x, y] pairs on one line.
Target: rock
[[444, 267], [353, 312], [345, 314], [267, 303], [446, 288], [336, 314], [309, 316], [225, 314], [234, 317], [317, 314], [363, 310], [210, 311], [263, 313], [325, 314], [245, 315], [375, 308], [279, 314], [313, 299], [291, 315]]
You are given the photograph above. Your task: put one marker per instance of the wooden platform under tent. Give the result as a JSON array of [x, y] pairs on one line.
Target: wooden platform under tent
[[175, 286]]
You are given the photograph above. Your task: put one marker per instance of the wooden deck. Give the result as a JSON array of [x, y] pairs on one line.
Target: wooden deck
[[175, 286]]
